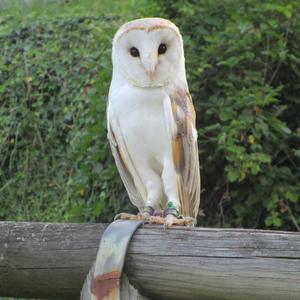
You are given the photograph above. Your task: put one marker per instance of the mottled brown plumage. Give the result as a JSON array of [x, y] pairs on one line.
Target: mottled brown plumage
[[185, 153]]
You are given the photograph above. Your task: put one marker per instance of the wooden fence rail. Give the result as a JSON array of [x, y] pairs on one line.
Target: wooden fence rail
[[50, 261]]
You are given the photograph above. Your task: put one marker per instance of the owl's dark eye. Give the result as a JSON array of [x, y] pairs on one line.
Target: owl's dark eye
[[162, 49], [134, 52]]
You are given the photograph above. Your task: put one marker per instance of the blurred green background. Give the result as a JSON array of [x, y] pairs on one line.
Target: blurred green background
[[243, 65]]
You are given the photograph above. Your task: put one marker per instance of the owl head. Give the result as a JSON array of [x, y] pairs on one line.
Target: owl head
[[148, 52]]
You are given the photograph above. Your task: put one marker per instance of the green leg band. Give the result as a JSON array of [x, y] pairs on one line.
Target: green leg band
[[171, 206]]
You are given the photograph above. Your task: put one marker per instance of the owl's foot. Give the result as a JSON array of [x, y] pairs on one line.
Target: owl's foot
[[142, 217], [126, 216], [168, 221], [147, 212], [171, 220]]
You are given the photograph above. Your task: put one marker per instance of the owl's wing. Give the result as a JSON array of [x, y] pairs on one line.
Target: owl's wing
[[122, 159], [183, 133]]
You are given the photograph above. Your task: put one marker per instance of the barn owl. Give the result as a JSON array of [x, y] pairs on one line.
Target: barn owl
[[151, 123]]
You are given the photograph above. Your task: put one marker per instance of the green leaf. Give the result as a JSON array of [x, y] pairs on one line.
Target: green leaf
[[273, 220], [264, 158], [280, 126], [293, 197], [297, 152], [232, 174]]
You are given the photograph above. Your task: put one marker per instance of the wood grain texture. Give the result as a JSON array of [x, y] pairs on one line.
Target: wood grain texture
[[51, 261], [43, 260]]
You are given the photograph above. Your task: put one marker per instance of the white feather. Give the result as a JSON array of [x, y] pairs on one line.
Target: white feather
[[171, 124]]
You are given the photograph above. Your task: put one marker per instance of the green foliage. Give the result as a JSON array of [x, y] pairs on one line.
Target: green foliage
[[55, 162], [243, 64]]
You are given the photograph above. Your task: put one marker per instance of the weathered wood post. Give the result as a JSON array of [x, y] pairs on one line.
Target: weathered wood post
[[50, 261]]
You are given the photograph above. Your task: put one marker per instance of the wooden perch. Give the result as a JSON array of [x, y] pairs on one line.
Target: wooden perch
[[42, 260]]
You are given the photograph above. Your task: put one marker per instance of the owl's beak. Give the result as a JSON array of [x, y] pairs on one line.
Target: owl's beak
[[150, 74], [149, 64]]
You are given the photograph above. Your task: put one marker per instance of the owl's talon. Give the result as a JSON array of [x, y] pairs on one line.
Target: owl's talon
[[144, 216], [157, 220], [117, 217], [171, 220], [146, 213], [126, 216]]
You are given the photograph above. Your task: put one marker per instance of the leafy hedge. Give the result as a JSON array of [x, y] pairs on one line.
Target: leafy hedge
[[243, 63], [55, 160]]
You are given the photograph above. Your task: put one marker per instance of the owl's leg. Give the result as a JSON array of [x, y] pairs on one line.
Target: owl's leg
[[169, 177], [147, 211], [154, 189], [172, 212]]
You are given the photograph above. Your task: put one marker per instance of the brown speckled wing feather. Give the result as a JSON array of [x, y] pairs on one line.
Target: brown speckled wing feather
[[185, 153]]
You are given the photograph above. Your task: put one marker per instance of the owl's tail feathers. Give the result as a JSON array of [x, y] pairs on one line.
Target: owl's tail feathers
[[184, 200]]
